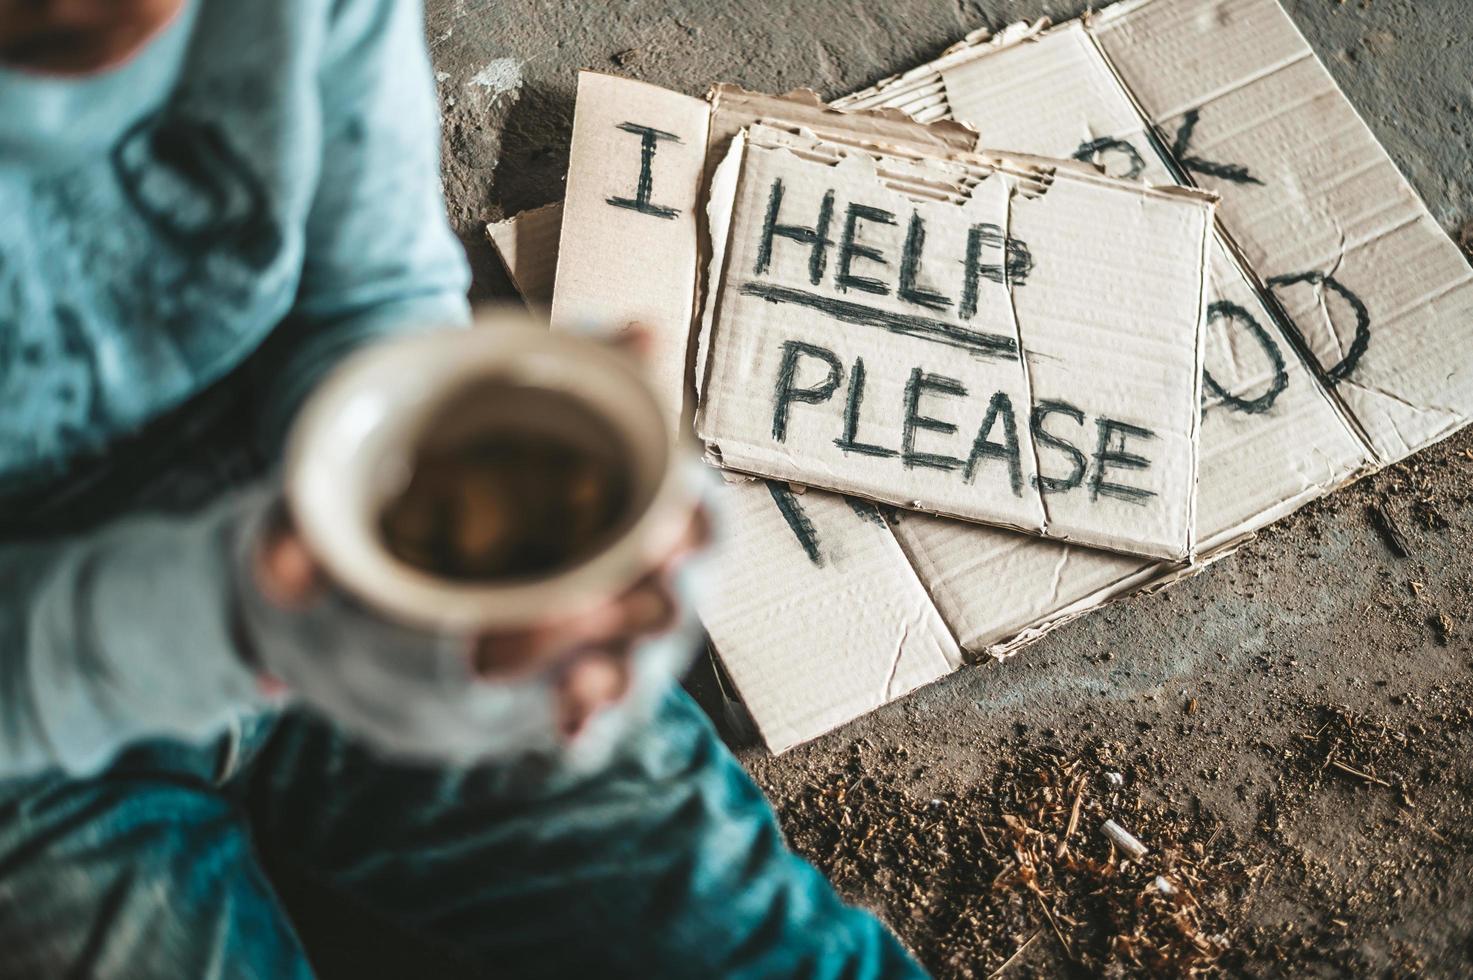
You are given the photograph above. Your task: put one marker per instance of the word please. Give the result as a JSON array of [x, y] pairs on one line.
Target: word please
[[996, 436]]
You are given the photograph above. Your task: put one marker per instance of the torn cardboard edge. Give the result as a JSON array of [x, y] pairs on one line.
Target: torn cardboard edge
[[733, 109], [923, 90], [777, 742], [521, 242], [1064, 222], [921, 86], [665, 164]]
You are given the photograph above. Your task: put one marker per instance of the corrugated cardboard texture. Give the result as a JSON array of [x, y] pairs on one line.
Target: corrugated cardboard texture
[[1272, 438], [817, 616], [527, 245], [849, 332], [629, 222], [734, 109], [1381, 296]]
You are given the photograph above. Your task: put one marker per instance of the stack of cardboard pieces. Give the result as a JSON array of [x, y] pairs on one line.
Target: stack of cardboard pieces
[[1066, 313]]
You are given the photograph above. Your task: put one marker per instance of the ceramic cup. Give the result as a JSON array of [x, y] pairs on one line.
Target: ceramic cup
[[351, 447]]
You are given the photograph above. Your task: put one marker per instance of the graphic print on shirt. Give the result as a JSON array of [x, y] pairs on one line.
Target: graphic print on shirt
[[131, 281], [195, 192], [48, 376], [201, 205]]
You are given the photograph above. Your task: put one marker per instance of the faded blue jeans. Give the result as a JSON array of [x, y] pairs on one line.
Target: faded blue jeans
[[175, 860]]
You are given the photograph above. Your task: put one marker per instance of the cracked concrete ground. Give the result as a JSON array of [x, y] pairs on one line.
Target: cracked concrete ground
[[1206, 687]]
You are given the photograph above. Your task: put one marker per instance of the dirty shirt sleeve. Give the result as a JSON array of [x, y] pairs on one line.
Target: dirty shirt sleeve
[[121, 634], [380, 255]]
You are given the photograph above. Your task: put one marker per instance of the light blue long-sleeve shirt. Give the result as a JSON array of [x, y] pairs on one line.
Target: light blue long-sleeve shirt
[[253, 195]]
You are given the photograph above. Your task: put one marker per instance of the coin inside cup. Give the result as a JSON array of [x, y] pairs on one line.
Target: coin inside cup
[[510, 482]]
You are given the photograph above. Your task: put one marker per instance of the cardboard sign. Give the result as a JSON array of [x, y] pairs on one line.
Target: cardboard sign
[[1276, 430], [1272, 436], [635, 250], [1375, 290], [1282, 423], [1023, 351], [527, 245]]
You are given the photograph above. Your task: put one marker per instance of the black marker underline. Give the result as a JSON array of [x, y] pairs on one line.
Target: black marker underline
[[922, 327]]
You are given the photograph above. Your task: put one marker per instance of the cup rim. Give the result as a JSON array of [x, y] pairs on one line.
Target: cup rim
[[353, 554]]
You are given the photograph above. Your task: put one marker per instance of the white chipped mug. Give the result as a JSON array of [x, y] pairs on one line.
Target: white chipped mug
[[355, 444]]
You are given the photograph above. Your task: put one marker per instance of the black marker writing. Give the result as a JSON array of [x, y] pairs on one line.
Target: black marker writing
[[1233, 172], [1224, 310], [797, 521], [1110, 452], [910, 266], [975, 341], [1055, 484], [1013, 270], [648, 137], [1362, 339], [866, 511], [817, 237], [1093, 150], [920, 382], [999, 409], [787, 371], [849, 441], [996, 437], [849, 250]]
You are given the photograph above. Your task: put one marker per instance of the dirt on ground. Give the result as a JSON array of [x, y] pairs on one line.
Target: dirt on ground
[[1306, 809]]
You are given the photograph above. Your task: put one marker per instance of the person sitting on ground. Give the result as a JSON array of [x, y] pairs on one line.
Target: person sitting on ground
[[206, 204]]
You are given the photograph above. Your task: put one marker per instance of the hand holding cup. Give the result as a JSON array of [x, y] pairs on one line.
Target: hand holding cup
[[516, 489]]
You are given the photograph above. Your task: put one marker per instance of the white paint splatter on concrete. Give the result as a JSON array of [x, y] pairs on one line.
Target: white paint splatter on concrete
[[500, 77]]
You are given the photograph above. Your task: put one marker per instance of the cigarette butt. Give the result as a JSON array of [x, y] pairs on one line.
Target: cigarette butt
[[1124, 840]]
